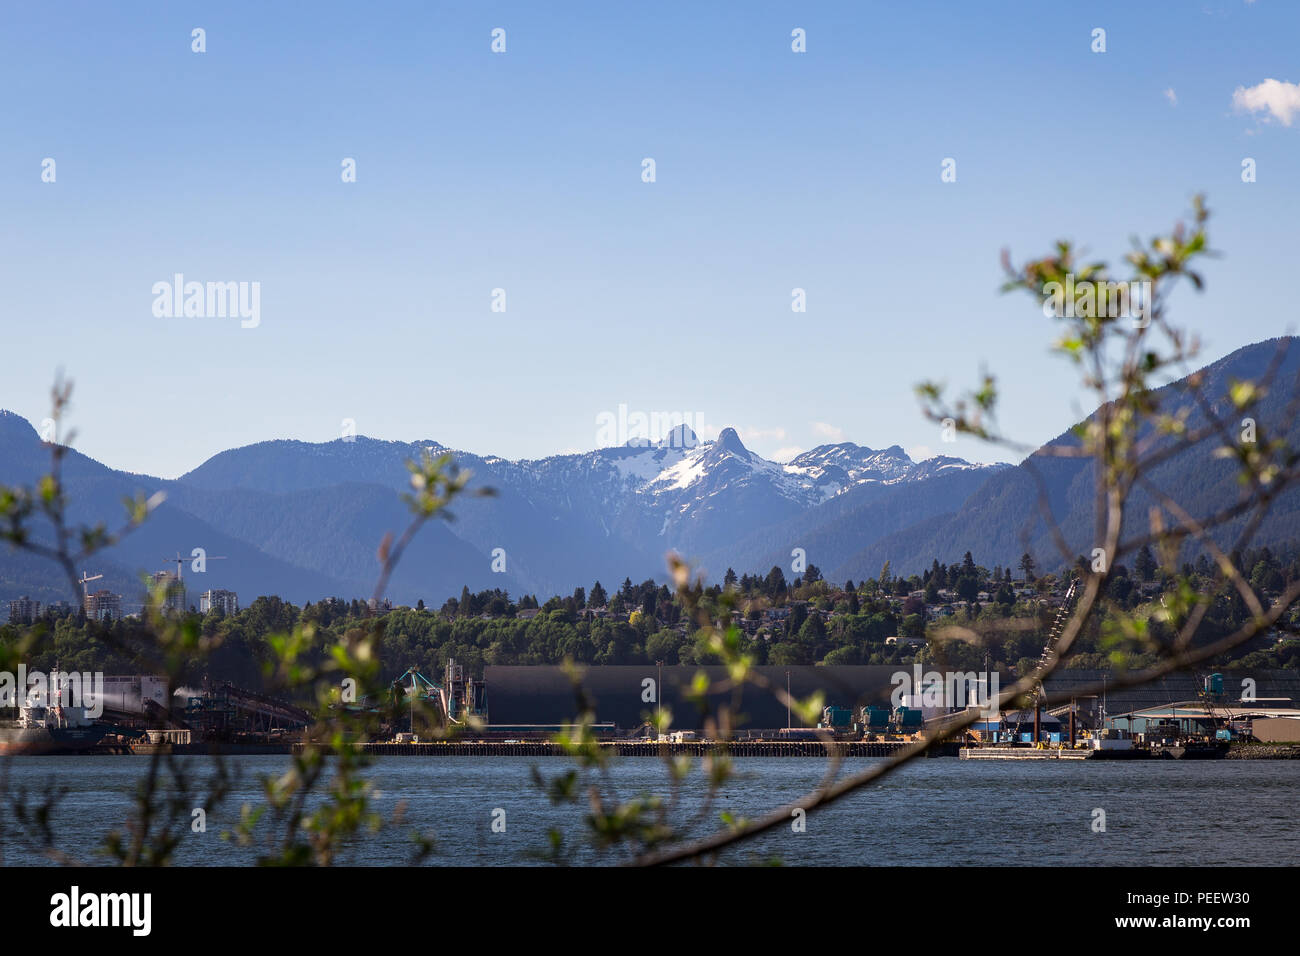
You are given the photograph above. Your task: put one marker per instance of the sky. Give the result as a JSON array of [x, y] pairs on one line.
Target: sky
[[523, 171]]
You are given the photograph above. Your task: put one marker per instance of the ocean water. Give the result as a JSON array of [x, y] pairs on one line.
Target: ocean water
[[932, 812]]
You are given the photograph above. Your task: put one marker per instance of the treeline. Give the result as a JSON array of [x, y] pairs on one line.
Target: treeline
[[802, 620]]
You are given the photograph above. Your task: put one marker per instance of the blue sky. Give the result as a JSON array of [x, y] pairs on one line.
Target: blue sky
[[522, 171]]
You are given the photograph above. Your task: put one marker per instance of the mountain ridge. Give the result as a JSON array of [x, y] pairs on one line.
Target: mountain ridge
[[562, 521], [302, 519]]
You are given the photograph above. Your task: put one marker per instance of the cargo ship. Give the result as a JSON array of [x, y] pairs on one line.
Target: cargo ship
[[50, 730]]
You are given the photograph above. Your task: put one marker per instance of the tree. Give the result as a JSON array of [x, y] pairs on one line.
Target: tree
[[798, 614], [1027, 566], [774, 585], [1144, 564]]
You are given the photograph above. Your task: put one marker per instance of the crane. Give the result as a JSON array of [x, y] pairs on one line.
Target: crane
[[181, 561], [85, 592], [1047, 658]]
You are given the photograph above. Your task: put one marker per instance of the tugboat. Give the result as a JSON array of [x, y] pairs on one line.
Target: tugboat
[[42, 729]]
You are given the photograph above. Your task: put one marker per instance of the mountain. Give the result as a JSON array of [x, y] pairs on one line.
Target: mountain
[[95, 494], [1001, 520], [568, 520], [304, 520]]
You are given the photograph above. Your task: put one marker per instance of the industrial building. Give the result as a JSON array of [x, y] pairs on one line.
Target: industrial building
[[621, 696], [135, 696], [1197, 717]]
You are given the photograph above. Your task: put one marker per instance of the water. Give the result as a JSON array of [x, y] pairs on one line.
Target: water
[[932, 812]]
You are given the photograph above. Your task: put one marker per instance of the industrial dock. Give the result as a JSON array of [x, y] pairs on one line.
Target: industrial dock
[[639, 748], [416, 716]]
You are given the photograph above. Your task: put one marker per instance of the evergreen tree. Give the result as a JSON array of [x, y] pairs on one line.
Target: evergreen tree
[[1144, 564], [774, 586]]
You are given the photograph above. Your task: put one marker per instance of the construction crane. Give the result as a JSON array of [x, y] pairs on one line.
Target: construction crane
[[85, 591], [180, 561]]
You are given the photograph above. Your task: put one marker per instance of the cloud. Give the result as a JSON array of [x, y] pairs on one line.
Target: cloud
[[1171, 96], [920, 452], [828, 431], [785, 454], [1280, 99]]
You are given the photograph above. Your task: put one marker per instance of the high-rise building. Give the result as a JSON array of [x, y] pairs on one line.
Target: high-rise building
[[24, 610], [103, 605], [173, 591], [226, 601]]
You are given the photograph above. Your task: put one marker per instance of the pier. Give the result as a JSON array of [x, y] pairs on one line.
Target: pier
[[633, 748], [1023, 753]]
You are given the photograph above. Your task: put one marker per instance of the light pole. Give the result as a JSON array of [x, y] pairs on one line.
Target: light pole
[[787, 700]]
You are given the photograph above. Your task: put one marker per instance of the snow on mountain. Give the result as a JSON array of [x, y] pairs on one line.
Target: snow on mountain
[[562, 520], [809, 479]]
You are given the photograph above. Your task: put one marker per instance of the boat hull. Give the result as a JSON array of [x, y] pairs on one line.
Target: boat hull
[[19, 741]]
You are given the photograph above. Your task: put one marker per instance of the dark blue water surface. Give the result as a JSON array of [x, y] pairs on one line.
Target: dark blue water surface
[[932, 812]]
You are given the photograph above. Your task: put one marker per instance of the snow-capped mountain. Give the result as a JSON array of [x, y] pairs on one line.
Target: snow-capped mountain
[[562, 521], [302, 520]]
